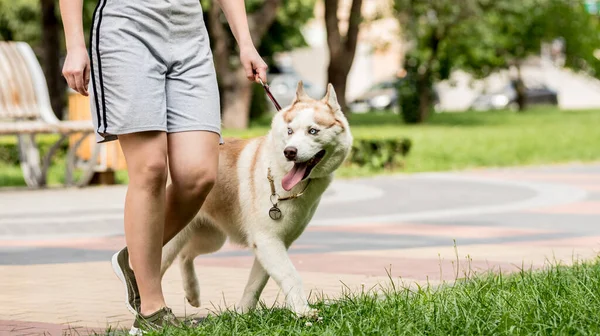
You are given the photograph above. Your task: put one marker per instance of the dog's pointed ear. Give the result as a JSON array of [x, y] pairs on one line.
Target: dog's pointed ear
[[300, 93], [331, 98]]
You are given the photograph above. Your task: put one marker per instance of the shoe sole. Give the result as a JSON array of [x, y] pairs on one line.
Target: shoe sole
[[119, 273]]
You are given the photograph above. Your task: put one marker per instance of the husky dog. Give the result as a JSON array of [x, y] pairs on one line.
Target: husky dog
[[266, 193]]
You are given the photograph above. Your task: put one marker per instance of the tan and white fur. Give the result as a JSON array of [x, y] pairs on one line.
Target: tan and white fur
[[238, 205]]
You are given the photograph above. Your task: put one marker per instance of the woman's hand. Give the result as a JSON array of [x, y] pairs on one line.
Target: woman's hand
[[253, 64], [255, 67], [76, 70]]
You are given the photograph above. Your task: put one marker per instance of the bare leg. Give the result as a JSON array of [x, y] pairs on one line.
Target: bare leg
[[154, 215], [146, 156], [193, 163]]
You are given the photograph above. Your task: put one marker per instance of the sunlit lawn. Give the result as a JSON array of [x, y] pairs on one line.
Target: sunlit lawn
[[454, 141], [558, 300]]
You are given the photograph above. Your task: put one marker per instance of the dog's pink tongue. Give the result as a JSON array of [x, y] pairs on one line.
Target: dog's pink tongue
[[294, 176]]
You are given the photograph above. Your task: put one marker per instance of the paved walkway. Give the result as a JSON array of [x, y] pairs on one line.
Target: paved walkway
[[55, 245]]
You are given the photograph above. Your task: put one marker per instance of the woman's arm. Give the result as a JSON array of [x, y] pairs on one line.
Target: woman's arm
[[235, 11], [76, 69]]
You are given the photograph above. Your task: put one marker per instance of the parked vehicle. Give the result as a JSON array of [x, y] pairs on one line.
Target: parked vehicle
[[283, 87], [506, 98], [381, 97]]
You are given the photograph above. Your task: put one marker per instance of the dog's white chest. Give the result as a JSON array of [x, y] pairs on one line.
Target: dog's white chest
[[292, 215]]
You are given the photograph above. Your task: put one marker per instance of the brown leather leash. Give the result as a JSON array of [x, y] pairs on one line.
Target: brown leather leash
[[268, 91]]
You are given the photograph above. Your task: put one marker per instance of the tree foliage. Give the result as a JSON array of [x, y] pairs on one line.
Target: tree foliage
[[284, 34], [484, 36], [515, 30], [19, 20], [274, 26], [431, 29]]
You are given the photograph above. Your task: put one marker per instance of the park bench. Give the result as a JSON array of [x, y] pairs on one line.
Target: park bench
[[25, 111]]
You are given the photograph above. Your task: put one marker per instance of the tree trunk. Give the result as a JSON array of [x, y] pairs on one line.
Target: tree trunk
[[51, 46], [425, 80], [338, 77], [238, 98], [520, 89], [424, 92], [342, 49], [234, 87]]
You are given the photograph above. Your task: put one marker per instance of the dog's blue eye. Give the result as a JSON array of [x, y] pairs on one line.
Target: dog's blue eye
[[290, 131], [313, 131]]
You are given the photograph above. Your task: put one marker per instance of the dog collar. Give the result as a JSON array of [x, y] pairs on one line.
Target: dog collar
[[275, 212]]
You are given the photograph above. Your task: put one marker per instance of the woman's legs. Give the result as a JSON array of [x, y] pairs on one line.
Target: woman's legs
[[153, 214], [193, 164], [146, 156]]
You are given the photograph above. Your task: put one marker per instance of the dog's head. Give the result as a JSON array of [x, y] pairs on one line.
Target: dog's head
[[312, 137]]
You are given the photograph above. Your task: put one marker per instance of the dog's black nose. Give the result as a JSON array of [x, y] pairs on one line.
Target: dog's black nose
[[290, 153]]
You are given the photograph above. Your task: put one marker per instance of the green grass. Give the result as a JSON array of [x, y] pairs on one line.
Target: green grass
[[455, 141], [467, 140], [11, 175], [558, 300]]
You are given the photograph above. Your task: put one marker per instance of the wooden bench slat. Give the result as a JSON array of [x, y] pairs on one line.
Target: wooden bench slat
[[84, 126], [25, 110], [18, 91], [28, 99], [13, 83], [32, 127], [5, 85], [26, 127], [9, 84]]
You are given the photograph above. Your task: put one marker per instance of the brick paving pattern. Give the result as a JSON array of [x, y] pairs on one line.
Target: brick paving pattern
[[56, 277]]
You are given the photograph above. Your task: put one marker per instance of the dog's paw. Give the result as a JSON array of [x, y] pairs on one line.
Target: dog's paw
[[307, 312], [245, 306], [194, 302], [242, 310]]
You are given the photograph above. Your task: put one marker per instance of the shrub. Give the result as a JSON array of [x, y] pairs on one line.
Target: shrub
[[379, 153], [408, 101], [412, 88], [9, 151], [372, 153]]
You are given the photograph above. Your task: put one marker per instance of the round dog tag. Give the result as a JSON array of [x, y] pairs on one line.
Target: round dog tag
[[275, 213]]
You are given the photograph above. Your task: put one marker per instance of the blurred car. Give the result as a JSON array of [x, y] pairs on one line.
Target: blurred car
[[506, 98], [381, 96], [283, 87]]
